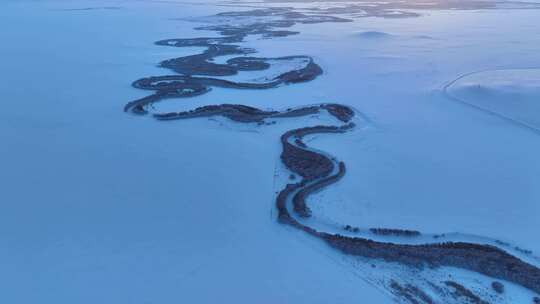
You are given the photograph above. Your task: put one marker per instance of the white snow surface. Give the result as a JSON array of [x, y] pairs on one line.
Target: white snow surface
[[99, 206], [513, 94]]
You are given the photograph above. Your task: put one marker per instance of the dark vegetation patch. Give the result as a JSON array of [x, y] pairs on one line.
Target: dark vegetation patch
[[462, 293], [395, 232], [498, 287], [411, 293], [351, 228], [483, 259], [524, 251]]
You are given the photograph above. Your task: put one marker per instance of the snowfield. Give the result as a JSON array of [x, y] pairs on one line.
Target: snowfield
[[100, 206], [511, 94]]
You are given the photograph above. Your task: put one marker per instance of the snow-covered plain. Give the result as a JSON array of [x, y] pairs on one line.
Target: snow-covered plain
[[511, 94], [101, 206]]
